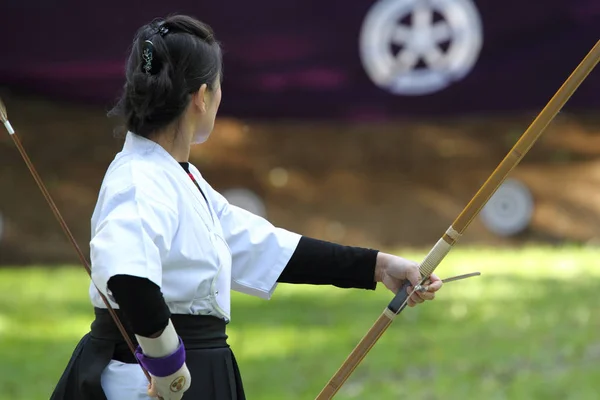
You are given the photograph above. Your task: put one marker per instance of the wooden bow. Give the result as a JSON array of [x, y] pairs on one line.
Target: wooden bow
[[455, 231]]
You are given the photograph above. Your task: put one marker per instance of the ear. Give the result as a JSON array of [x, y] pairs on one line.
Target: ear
[[199, 99]]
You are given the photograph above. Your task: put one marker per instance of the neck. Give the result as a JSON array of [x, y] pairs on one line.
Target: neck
[[177, 145]]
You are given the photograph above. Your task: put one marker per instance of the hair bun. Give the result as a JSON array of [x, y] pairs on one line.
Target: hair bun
[[170, 59]]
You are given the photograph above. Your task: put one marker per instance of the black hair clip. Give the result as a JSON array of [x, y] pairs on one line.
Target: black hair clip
[[147, 55], [163, 30], [150, 64]]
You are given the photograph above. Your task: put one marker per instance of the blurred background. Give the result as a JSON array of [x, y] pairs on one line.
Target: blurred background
[[368, 123]]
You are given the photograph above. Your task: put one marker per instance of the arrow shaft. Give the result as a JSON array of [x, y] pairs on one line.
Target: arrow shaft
[[64, 226]]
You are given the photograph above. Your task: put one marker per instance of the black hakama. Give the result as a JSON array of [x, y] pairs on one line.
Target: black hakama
[[213, 368]]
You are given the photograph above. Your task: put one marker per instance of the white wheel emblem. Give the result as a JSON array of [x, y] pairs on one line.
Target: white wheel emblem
[[509, 210], [417, 47]]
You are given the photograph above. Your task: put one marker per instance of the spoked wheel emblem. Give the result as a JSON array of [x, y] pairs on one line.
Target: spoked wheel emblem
[[417, 47]]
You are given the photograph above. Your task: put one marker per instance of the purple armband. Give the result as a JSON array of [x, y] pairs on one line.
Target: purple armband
[[163, 366]]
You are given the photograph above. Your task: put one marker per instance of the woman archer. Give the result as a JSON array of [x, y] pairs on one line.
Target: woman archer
[[167, 249]]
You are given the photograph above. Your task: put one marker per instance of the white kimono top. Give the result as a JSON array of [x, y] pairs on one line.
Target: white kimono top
[[151, 221]]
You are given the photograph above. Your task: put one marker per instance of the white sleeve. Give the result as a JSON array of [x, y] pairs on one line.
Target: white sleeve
[[131, 235], [260, 251]]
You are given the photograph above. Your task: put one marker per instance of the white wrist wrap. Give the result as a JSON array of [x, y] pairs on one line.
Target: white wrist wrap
[[162, 346]]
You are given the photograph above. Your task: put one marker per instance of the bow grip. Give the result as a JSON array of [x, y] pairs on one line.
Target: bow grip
[[399, 301], [428, 265]]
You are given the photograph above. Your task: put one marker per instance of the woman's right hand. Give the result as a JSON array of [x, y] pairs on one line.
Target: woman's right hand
[[170, 387]]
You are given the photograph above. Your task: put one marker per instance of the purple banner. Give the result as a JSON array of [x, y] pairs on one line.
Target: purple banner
[[343, 59]]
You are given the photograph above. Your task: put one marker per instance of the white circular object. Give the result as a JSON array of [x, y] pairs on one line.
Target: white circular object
[[246, 199], [408, 58], [509, 210]]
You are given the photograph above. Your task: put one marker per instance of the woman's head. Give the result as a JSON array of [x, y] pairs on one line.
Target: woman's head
[[173, 79]]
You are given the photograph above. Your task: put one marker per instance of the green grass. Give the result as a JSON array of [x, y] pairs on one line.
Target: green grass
[[528, 328]]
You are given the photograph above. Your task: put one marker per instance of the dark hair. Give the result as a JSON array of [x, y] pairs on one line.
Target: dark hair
[[170, 59]]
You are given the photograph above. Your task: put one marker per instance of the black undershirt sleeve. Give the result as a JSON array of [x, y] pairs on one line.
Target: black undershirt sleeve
[[318, 262], [141, 302]]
